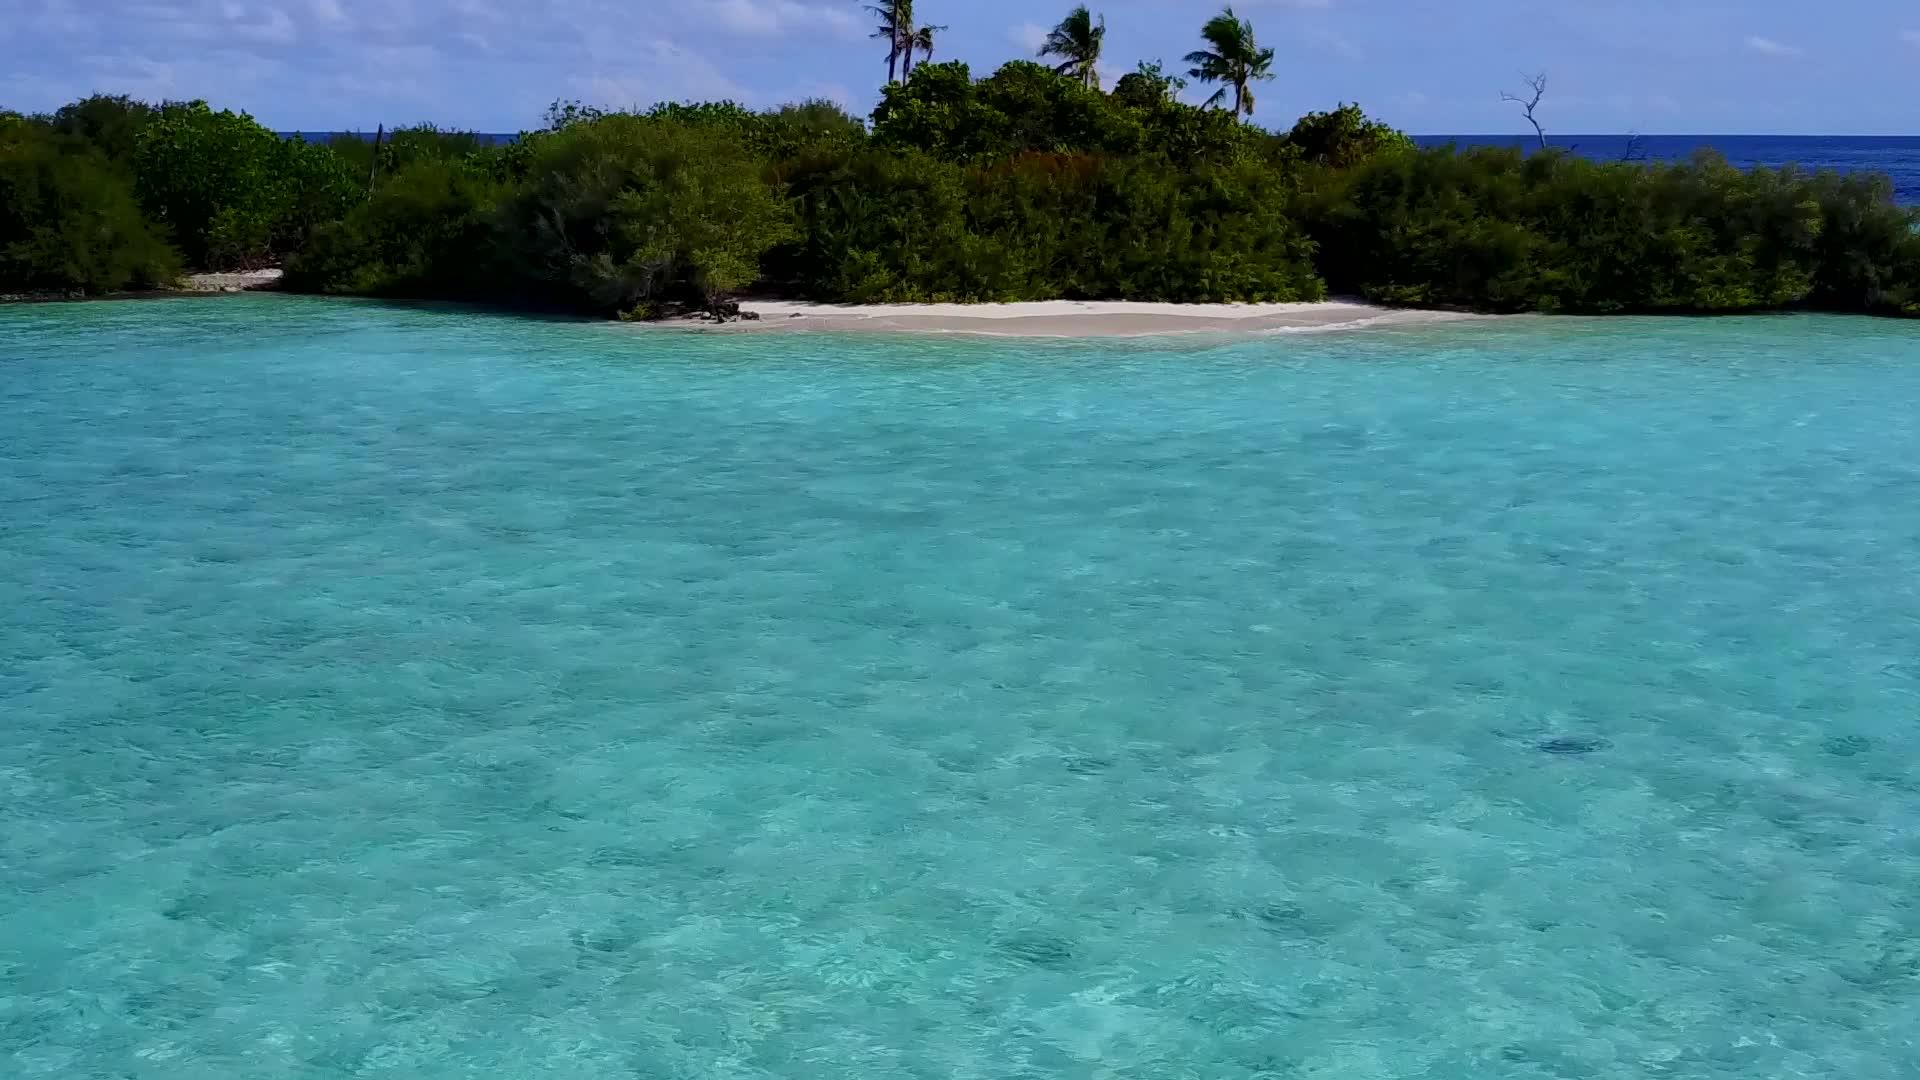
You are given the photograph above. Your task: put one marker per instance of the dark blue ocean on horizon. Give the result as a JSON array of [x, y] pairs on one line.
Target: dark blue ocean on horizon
[[1898, 156]]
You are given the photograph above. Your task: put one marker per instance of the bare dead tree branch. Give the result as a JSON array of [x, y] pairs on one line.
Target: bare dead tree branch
[[373, 174], [1536, 89], [1636, 148]]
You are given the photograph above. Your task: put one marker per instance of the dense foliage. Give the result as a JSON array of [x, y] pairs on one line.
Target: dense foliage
[[1344, 138], [626, 212], [426, 232], [1497, 230], [234, 193], [883, 226], [1029, 183], [68, 219], [1027, 108]]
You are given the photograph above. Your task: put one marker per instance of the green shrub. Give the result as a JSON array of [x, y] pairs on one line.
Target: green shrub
[[111, 123], [901, 227], [1026, 108], [68, 219], [625, 210], [1344, 138], [1034, 109], [428, 232], [404, 147], [1867, 256], [233, 193], [214, 179], [808, 129], [878, 227], [1502, 231], [319, 187]]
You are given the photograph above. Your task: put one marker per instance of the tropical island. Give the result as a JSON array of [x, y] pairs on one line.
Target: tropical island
[[1032, 183]]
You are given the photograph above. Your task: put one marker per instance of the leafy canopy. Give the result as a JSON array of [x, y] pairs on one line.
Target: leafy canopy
[[68, 218], [1027, 184], [1233, 59], [1077, 41]]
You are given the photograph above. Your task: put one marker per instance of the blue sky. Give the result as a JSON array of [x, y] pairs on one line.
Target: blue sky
[[1684, 66]]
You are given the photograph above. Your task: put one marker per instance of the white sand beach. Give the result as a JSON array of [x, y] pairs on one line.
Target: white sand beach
[[232, 281], [1080, 318]]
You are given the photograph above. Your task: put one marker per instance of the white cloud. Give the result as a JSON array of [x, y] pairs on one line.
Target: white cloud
[[225, 24], [662, 71], [1028, 36], [145, 77], [1770, 47], [276, 29], [137, 75], [766, 18], [747, 17]]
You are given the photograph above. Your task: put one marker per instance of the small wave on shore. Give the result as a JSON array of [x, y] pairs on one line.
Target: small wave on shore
[[1081, 318]]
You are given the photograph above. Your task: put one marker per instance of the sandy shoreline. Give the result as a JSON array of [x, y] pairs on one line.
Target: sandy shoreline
[[200, 284], [231, 281], [1080, 318], [1036, 319]]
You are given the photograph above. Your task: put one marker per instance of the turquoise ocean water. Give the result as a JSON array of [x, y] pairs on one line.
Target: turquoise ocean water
[[402, 692]]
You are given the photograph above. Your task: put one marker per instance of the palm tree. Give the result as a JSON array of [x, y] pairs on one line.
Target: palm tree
[[896, 23], [922, 39], [1076, 41], [903, 38], [1235, 60]]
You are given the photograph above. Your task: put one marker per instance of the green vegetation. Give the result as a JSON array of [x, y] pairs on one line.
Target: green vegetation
[[903, 36], [625, 213], [1345, 138], [1233, 59], [1501, 231], [233, 193], [1077, 42], [897, 226], [427, 232], [68, 219], [1031, 182]]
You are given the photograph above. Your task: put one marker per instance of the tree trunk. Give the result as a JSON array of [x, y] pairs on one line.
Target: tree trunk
[[906, 64], [893, 63], [373, 173]]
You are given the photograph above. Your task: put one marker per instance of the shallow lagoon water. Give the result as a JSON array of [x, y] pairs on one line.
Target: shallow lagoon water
[[418, 693]]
